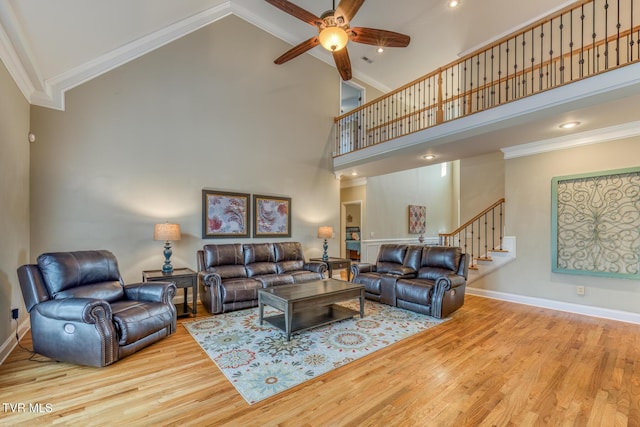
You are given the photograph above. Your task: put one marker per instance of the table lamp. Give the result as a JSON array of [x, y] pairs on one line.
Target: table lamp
[[325, 232], [167, 232]]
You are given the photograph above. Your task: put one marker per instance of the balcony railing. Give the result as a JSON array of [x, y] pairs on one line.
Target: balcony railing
[[574, 43]]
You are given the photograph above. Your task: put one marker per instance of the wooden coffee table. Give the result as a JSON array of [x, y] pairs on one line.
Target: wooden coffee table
[[309, 305]]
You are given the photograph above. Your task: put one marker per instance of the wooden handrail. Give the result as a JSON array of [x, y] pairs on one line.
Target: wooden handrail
[[472, 220]]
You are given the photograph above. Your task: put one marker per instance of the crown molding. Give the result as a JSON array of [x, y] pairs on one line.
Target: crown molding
[[50, 92], [612, 133], [9, 56]]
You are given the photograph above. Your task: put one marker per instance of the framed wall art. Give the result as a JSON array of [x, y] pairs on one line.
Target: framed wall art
[[417, 219], [272, 216], [225, 214], [595, 224]]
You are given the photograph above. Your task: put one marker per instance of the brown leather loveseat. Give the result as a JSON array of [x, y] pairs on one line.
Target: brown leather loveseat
[[229, 275], [425, 279]]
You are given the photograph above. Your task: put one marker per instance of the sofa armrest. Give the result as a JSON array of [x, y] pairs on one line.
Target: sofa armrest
[[362, 267], [83, 310], [444, 284], [150, 291], [316, 267], [209, 291]]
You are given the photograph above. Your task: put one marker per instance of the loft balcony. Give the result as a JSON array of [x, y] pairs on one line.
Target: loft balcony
[[583, 60]]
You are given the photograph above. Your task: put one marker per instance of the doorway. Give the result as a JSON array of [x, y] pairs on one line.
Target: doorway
[[351, 220]]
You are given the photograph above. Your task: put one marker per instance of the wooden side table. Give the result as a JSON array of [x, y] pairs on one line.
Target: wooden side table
[[184, 278], [336, 264]]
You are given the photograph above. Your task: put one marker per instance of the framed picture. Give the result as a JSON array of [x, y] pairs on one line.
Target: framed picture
[[225, 214], [595, 224], [417, 219], [272, 216]]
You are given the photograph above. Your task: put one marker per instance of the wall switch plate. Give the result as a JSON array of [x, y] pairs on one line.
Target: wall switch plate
[[580, 290]]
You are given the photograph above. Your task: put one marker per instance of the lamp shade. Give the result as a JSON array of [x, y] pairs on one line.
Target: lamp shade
[[166, 232], [333, 38], [325, 232]]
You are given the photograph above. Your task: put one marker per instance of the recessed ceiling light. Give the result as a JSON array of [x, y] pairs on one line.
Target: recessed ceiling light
[[569, 125], [429, 156], [380, 49], [454, 3], [354, 173]]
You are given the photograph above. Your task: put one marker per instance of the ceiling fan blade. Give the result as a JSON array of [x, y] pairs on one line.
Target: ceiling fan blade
[[348, 9], [378, 37], [343, 63], [298, 50], [296, 11]]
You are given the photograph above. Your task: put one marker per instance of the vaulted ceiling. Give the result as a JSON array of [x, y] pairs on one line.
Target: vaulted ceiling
[[50, 47]]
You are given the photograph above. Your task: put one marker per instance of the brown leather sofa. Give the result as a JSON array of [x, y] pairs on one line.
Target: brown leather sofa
[[82, 312], [229, 275], [425, 279]]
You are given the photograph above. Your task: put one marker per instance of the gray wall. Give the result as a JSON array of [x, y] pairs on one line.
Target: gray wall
[[137, 145], [388, 198], [14, 200], [483, 178], [528, 207]]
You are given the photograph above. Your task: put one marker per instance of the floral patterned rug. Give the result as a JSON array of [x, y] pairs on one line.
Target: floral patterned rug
[[259, 361]]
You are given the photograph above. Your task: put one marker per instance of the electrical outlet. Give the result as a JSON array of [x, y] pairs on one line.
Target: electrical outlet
[[14, 313], [580, 290]]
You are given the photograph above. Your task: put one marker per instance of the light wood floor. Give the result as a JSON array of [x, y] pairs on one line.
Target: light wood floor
[[493, 363]]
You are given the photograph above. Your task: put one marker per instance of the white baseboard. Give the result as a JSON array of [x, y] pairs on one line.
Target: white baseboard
[[605, 313], [10, 343]]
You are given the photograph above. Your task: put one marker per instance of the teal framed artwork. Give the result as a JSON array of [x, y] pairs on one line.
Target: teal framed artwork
[[595, 224]]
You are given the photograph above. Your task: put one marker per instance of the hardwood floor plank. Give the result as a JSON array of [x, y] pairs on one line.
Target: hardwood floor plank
[[493, 363]]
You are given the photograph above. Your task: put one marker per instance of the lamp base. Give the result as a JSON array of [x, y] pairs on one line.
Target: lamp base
[[167, 267], [325, 246]]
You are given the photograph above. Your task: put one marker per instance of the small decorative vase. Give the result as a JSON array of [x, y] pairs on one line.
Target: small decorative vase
[[421, 239]]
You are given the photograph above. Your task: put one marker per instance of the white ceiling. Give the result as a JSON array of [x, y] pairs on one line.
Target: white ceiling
[[53, 46], [50, 47]]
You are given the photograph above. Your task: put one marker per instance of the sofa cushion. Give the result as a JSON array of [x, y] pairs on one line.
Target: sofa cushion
[[416, 291], [371, 282], [305, 276], [432, 273], [441, 257], [288, 266], [108, 291], [134, 320], [228, 254], [229, 271], [258, 252], [269, 280], [288, 251], [235, 290], [261, 268], [63, 271], [389, 257]]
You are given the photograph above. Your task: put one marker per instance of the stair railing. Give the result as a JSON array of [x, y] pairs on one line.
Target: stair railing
[[479, 236]]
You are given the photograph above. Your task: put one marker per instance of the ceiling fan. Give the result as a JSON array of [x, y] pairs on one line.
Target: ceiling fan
[[334, 32]]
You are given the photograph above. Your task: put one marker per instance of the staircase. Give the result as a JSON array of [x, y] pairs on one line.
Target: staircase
[[496, 259], [482, 237]]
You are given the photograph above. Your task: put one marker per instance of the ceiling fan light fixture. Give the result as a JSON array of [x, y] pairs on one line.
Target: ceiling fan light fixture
[[333, 38]]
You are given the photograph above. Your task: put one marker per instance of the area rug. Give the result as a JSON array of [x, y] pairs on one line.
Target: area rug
[[260, 363]]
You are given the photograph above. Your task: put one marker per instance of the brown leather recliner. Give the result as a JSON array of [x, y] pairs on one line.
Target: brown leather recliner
[[394, 261], [430, 280], [82, 312]]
